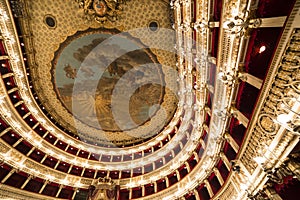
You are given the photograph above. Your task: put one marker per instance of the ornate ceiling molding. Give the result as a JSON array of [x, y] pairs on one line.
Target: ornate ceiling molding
[[102, 10]]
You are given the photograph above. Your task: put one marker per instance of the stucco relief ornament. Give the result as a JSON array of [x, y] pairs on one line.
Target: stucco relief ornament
[[102, 10], [267, 124]]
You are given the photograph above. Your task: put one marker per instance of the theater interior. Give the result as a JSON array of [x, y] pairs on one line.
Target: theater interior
[[149, 99]]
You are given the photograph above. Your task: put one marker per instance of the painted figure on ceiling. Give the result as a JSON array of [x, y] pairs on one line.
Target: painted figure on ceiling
[[70, 71]]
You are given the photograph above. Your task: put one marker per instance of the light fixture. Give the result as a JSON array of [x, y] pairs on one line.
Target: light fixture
[[262, 49], [288, 122], [259, 160], [284, 118]]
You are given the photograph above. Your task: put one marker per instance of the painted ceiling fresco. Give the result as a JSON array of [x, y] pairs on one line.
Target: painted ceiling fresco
[[103, 92]]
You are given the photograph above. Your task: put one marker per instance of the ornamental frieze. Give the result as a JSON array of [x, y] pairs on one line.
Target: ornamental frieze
[[280, 100]]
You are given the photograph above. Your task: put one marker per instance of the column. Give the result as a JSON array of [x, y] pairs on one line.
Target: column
[[218, 175], [163, 160], [209, 189], [181, 145], [205, 127], [74, 193], [131, 171], [252, 80], [187, 166], [225, 160], [67, 147], [196, 156], [57, 164], [167, 181], [232, 142], [26, 115], [35, 125], [59, 190], [173, 154], [239, 116], [207, 109], [78, 151], [95, 174], [18, 103], [155, 187], [70, 168], [27, 180], [7, 75], [268, 22], [43, 187], [210, 88], [31, 150], [17, 142], [90, 153], [196, 194], [202, 143], [12, 90], [8, 175], [143, 190], [5, 131], [130, 193], [56, 141], [4, 57], [45, 134], [178, 175], [44, 158]]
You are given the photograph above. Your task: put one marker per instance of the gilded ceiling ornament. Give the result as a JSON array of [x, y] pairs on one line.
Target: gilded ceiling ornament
[[102, 10]]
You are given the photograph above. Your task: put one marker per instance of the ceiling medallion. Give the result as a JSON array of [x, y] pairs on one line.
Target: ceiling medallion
[[102, 10]]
